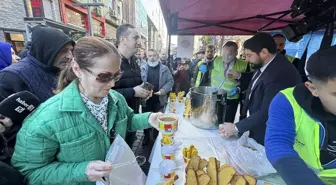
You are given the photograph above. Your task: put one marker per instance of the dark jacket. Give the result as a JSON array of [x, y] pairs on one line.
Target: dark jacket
[[23, 53], [182, 81], [36, 73], [166, 81], [281, 133], [9, 175], [5, 55], [279, 74], [130, 79]]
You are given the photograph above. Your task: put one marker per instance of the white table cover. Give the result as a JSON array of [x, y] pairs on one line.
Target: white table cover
[[208, 143]]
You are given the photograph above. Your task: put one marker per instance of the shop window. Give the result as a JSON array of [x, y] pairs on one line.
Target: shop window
[[119, 10], [16, 39], [111, 4]]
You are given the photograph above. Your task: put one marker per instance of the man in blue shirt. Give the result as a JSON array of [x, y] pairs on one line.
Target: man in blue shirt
[[300, 137]]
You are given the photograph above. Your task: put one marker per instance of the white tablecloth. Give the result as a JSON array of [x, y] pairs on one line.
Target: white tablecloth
[[208, 143]]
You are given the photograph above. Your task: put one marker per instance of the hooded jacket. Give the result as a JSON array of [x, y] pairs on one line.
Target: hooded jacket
[[36, 73], [23, 53], [5, 55], [281, 132]]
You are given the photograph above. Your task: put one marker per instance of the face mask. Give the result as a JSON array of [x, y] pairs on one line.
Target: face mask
[[153, 63]]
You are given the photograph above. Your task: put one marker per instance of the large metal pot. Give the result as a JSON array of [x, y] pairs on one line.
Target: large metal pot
[[207, 107]]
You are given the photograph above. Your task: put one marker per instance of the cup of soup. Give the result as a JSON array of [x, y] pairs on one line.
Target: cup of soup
[[168, 124]]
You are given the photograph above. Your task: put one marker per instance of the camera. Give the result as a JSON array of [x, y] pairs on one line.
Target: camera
[[316, 15]]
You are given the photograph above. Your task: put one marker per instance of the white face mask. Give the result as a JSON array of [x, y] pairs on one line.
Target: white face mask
[[153, 63]]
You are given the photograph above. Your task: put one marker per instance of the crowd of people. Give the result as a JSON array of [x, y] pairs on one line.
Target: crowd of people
[[91, 90]]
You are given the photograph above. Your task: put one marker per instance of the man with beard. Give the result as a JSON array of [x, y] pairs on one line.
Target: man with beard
[[130, 84], [280, 42], [161, 78], [207, 71], [50, 52], [273, 73]]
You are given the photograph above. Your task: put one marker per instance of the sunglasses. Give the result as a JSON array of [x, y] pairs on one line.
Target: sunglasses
[[106, 77]]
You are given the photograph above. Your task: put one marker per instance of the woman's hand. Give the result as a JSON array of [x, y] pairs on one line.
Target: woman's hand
[[153, 120], [96, 170], [5, 123]]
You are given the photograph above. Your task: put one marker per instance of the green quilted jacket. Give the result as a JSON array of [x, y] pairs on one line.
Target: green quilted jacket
[[58, 140]]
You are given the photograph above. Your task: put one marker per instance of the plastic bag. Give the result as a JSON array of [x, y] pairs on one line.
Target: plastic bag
[[249, 157], [131, 174]]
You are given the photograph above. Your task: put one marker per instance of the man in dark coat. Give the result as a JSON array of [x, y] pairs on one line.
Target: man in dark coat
[[273, 73], [128, 41]]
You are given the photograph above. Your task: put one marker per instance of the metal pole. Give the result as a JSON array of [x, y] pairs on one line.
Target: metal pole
[[169, 43], [90, 21]]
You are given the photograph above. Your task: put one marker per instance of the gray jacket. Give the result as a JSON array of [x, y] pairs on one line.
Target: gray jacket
[[166, 81]]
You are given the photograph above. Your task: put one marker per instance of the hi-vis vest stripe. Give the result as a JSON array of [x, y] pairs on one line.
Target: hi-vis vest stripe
[[290, 58], [217, 75], [307, 140]]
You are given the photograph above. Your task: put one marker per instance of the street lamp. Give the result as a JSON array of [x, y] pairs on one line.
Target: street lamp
[[88, 7]]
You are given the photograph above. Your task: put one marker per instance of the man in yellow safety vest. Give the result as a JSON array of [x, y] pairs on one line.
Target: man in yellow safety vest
[[300, 137], [280, 41], [216, 74]]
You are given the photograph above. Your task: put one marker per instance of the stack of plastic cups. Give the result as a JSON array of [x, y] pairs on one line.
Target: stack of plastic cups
[[187, 109], [172, 103], [168, 125]]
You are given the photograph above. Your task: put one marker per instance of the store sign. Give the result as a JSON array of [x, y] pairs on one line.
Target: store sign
[[37, 8], [75, 18]]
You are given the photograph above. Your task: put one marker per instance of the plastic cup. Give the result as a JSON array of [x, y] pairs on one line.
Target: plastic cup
[[168, 124]]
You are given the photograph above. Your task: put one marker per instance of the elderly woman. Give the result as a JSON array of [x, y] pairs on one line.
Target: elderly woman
[[66, 139]]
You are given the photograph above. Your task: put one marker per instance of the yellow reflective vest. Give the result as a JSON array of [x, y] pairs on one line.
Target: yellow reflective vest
[[307, 140], [290, 58], [217, 75]]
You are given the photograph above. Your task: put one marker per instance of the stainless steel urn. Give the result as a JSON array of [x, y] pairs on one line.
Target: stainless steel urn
[[208, 107]]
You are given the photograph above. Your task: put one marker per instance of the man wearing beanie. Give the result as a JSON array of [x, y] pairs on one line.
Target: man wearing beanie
[[37, 73]]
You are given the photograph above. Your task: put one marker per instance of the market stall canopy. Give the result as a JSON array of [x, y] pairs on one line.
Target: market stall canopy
[[225, 17]]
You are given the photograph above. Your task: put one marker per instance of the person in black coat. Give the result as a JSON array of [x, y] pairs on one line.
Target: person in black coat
[[130, 84], [8, 175], [50, 52], [23, 53], [273, 73]]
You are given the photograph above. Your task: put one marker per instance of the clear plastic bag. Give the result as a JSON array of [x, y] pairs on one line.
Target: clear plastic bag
[[131, 174], [249, 157]]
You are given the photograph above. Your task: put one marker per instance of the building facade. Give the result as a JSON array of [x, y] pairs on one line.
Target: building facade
[[112, 12], [78, 16], [12, 27], [157, 33], [141, 23]]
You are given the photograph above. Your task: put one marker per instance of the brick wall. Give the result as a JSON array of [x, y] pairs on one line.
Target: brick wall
[[11, 13]]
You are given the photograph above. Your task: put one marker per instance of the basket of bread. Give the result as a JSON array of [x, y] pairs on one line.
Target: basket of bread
[[202, 172]]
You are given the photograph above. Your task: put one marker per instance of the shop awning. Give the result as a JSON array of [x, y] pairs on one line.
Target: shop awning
[[66, 28], [225, 17]]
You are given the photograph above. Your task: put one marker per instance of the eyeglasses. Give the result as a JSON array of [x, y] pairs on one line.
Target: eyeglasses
[[106, 77]]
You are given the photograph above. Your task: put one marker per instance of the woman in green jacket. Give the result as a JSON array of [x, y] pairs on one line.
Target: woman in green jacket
[[66, 139]]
